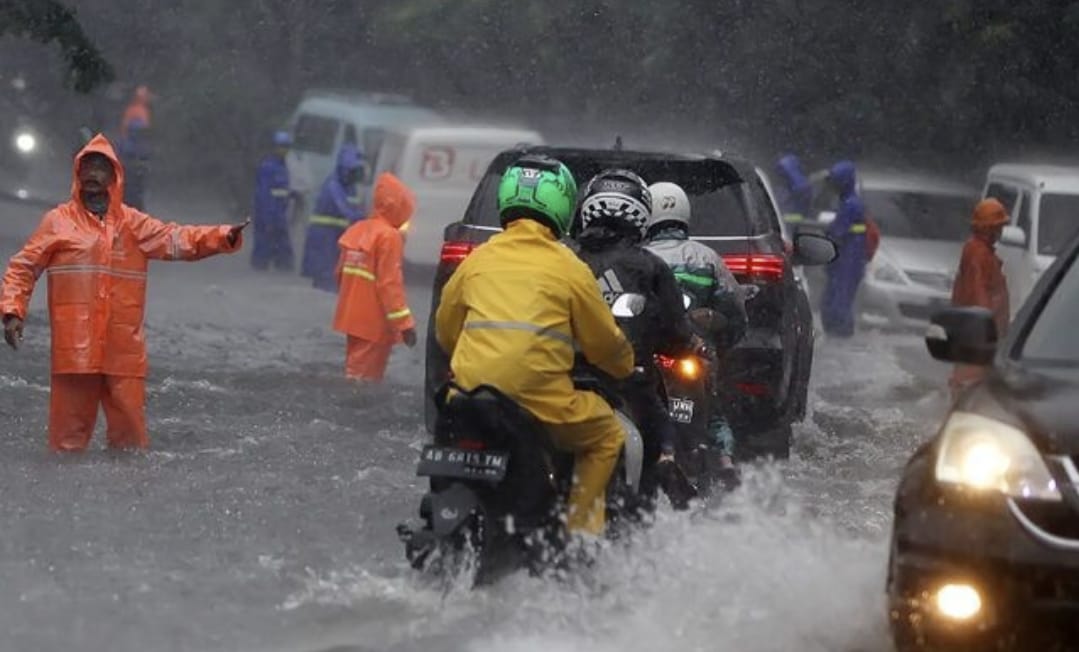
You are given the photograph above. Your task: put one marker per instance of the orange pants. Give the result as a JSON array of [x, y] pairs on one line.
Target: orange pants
[[73, 404], [366, 360]]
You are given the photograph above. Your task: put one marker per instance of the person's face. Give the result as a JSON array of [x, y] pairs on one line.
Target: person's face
[[95, 173]]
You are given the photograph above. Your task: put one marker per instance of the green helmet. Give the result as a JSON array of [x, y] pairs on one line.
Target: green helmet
[[539, 188]]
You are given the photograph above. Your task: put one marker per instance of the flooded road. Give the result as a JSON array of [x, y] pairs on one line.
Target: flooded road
[[263, 516]]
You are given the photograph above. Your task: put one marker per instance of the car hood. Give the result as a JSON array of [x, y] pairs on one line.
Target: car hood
[[1042, 402], [923, 255]]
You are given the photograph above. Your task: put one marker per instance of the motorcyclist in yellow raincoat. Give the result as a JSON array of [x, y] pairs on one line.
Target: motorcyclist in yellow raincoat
[[512, 314]]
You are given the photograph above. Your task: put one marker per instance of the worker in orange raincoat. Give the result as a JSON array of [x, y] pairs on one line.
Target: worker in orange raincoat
[[137, 111], [94, 250], [980, 281], [372, 309]]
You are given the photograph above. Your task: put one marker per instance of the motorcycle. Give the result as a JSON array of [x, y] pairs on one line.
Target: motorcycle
[[690, 395], [498, 485]]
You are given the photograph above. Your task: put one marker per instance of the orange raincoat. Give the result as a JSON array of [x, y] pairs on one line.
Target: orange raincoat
[[138, 109], [981, 282], [97, 291], [372, 309]]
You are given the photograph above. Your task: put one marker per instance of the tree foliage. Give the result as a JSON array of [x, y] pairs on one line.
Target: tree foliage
[[48, 21], [954, 80]]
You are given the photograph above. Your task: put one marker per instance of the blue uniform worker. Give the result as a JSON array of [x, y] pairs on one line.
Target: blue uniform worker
[[134, 151], [796, 193], [846, 271], [272, 242], [337, 207]]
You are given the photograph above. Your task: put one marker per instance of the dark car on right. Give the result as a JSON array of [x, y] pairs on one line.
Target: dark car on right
[[985, 544], [733, 212]]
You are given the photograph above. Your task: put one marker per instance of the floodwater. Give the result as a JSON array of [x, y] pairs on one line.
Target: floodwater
[[263, 516]]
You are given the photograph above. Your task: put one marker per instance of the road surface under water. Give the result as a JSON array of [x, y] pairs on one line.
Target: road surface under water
[[263, 517]]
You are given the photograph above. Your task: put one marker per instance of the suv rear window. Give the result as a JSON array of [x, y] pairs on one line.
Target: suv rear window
[[720, 199], [315, 134]]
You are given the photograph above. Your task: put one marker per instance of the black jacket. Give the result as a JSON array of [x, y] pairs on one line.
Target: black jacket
[[623, 266]]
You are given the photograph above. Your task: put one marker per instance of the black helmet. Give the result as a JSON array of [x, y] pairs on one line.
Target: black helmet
[[619, 198]]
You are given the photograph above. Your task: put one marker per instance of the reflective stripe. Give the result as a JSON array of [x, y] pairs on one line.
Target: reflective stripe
[[352, 270], [398, 314], [542, 331], [794, 217], [857, 228], [695, 279], [354, 200], [100, 269], [279, 192], [328, 220]]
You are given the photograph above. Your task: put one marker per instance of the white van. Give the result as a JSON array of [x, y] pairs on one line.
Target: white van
[[443, 165], [326, 119], [1043, 202]]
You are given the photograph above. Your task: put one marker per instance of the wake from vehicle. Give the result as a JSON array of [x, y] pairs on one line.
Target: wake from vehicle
[[758, 572]]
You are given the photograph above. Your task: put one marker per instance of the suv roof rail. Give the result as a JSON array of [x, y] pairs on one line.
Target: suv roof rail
[[366, 97]]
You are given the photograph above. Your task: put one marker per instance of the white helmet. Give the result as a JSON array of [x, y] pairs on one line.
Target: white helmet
[[669, 204]]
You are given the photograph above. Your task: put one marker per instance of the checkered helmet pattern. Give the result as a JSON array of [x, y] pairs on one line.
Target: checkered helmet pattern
[[617, 195]]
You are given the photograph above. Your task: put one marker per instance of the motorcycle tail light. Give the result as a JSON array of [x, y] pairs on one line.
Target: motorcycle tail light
[[664, 361], [689, 368], [471, 444]]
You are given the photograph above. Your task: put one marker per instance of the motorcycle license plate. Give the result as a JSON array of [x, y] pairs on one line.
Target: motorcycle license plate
[[681, 410], [446, 462]]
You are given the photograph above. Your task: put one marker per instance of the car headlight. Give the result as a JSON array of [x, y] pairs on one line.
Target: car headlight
[[25, 142], [886, 272], [985, 454]]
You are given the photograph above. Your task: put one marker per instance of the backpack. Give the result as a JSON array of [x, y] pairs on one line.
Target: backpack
[[872, 238]]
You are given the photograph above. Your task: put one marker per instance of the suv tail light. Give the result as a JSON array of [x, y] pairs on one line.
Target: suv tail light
[[454, 253], [766, 268]]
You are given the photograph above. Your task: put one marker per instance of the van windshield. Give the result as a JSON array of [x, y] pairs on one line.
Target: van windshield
[[315, 134], [1058, 222], [920, 215]]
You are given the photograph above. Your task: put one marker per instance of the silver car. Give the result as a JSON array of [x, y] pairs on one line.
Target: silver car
[[924, 221]]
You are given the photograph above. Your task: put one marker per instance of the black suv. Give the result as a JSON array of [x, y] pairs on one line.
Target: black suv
[[732, 213], [985, 545]]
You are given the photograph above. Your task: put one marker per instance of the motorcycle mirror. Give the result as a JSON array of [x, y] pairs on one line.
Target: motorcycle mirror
[[628, 305], [749, 291]]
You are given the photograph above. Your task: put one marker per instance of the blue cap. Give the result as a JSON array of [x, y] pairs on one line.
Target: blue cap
[[282, 139]]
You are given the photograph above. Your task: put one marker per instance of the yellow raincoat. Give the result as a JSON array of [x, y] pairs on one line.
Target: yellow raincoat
[[510, 317]]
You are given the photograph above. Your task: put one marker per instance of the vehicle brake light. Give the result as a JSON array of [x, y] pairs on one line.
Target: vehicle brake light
[[471, 444], [766, 268], [688, 367], [454, 253]]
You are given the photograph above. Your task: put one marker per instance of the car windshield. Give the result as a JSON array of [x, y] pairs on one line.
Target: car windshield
[[1051, 341], [920, 215], [1058, 222], [719, 202]]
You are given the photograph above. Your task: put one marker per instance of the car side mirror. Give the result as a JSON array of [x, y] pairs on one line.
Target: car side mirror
[[814, 249], [1014, 236], [966, 335]]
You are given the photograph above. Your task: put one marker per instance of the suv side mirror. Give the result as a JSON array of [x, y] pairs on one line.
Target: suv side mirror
[[965, 335], [1014, 236], [813, 249]]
